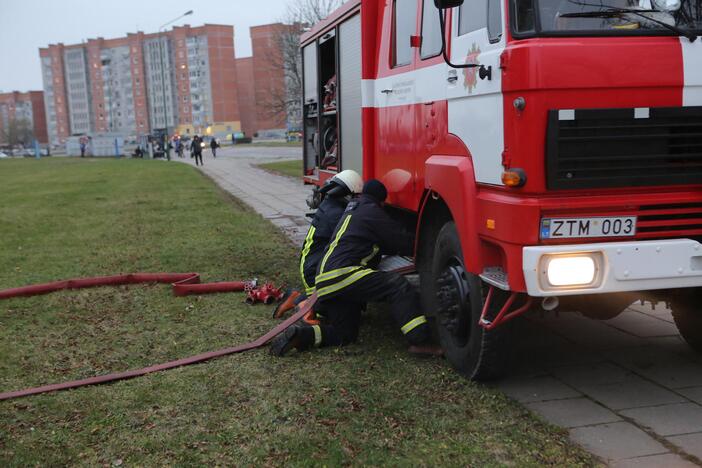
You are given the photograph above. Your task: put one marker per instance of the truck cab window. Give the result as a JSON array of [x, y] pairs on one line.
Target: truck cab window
[[404, 25], [523, 15], [472, 16], [494, 20], [431, 30]]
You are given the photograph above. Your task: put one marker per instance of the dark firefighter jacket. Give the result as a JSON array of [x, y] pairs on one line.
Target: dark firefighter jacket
[[363, 235], [318, 236]]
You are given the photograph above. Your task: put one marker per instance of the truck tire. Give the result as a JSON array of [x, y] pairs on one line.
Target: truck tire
[[687, 313], [473, 351]]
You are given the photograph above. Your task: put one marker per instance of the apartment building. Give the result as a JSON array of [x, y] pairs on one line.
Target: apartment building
[[262, 85], [183, 81], [27, 107]]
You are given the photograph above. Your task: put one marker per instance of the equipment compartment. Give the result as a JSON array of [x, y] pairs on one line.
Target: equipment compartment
[[332, 101]]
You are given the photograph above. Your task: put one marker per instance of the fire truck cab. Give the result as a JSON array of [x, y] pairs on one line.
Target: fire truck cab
[[547, 152]]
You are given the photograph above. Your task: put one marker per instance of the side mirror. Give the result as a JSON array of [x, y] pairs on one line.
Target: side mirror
[[443, 4]]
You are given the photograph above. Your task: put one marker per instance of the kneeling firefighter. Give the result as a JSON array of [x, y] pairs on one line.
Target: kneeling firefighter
[[336, 194], [346, 280]]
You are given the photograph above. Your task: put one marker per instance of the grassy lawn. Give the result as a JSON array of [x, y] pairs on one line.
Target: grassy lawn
[[291, 168], [367, 404]]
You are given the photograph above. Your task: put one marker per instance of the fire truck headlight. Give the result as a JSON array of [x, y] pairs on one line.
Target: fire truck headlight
[[577, 270]]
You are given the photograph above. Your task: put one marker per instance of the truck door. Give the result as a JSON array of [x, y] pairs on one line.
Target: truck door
[[396, 142], [475, 104], [349, 89], [431, 95]]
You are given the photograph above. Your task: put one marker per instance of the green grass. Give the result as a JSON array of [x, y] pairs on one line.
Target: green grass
[[367, 404], [287, 168]]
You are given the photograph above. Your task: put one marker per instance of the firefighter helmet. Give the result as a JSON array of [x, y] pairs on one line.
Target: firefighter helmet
[[344, 183]]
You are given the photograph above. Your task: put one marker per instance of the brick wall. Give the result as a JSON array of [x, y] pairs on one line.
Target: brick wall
[[247, 99]]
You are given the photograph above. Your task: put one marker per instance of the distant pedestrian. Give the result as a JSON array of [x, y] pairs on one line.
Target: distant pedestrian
[[213, 146], [83, 145], [196, 149], [179, 148]]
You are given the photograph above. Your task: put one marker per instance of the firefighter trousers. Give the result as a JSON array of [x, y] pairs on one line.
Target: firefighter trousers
[[340, 313]]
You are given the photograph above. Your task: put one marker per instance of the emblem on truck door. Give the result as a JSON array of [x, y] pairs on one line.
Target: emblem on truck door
[[470, 75]]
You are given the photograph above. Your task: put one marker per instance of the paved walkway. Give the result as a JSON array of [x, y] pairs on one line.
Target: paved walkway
[[277, 198], [628, 389]]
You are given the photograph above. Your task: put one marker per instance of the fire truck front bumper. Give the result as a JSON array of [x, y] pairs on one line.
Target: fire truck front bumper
[[564, 270]]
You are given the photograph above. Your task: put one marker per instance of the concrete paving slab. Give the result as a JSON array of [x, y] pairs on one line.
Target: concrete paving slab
[[590, 333], [536, 389], [676, 344], [676, 376], [616, 441], [550, 357], [660, 310], [668, 460], [694, 394], [633, 393], [598, 373], [664, 367], [667, 420], [642, 325], [690, 443], [575, 412]]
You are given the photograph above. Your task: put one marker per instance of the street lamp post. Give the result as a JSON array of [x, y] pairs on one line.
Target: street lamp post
[[163, 81]]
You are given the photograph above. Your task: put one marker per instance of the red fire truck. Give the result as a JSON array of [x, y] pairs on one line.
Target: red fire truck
[[544, 150]]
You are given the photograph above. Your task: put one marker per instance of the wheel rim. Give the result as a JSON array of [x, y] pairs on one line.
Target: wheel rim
[[453, 299]]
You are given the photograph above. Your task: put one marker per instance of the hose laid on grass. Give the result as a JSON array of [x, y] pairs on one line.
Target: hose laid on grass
[[183, 284]]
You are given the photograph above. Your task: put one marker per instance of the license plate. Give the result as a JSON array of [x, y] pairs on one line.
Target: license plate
[[568, 228]]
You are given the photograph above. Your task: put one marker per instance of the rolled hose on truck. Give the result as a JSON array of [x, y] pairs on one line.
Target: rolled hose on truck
[[183, 284]]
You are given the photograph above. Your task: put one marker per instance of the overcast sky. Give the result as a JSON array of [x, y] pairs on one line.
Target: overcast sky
[[26, 25]]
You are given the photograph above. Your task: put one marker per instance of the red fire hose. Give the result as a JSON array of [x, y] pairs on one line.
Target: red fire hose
[[183, 284]]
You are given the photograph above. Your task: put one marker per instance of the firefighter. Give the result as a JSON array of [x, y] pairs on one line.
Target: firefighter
[[336, 192], [346, 279]]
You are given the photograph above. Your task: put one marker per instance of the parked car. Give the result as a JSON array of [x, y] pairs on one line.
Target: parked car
[[3, 155]]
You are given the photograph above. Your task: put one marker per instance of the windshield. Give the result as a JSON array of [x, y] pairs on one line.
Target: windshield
[[610, 17]]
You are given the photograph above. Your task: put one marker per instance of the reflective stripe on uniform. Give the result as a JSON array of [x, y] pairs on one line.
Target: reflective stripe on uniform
[[335, 243], [305, 251], [317, 335], [412, 324], [335, 273], [373, 253], [345, 282]]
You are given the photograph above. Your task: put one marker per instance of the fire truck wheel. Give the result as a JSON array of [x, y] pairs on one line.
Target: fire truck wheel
[[473, 351], [687, 313]]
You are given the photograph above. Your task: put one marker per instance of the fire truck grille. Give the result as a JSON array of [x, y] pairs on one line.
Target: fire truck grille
[[677, 220], [602, 148]]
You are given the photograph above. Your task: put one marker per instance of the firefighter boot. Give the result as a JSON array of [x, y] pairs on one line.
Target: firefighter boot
[[297, 336], [286, 303]]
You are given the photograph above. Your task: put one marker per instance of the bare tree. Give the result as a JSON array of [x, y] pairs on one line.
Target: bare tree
[[299, 16], [309, 12], [17, 132]]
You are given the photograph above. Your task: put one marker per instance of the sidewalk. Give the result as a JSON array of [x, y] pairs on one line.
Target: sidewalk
[[628, 390], [277, 198]]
